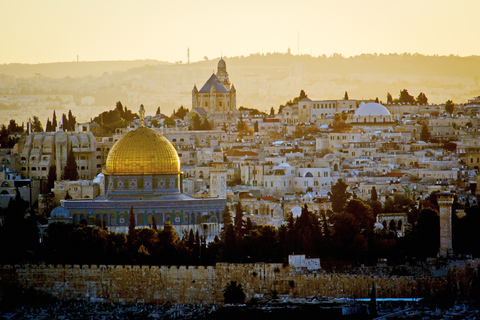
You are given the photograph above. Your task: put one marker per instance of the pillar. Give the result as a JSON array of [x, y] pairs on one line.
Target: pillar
[[445, 201]]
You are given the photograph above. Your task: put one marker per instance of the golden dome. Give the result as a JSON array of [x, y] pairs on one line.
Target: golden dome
[[142, 151]]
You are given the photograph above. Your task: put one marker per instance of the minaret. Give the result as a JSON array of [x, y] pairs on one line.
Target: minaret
[[195, 97], [142, 115], [218, 175], [445, 201]]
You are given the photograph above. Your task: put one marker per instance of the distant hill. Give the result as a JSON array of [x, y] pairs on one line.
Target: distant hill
[[73, 69], [406, 63], [388, 64]]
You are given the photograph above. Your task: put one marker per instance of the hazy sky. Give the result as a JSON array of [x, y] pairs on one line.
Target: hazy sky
[[39, 31]]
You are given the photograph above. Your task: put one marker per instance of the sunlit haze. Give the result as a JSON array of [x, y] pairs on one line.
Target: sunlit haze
[[51, 30]]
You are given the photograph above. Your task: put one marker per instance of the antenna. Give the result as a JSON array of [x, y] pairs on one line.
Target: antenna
[[188, 54]]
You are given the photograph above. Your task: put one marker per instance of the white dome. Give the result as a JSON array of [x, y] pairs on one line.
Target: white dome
[[372, 109]]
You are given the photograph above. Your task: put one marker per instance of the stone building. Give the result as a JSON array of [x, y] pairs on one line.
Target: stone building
[[143, 173], [40, 150], [216, 94]]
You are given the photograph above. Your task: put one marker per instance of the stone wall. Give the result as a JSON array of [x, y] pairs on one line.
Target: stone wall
[[204, 285]]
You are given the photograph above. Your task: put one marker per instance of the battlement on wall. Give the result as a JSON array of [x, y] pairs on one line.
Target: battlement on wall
[[205, 284]]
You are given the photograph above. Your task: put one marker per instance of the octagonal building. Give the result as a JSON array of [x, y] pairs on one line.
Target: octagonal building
[[143, 172]]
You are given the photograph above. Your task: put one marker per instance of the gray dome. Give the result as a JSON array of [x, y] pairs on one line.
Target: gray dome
[[60, 213], [218, 149], [372, 109]]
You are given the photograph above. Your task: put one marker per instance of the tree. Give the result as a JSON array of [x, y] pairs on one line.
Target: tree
[[389, 98], [425, 133], [71, 121], [181, 112], [226, 219], [54, 121], [70, 172], [339, 196], [233, 293], [376, 100], [449, 107], [422, 99], [36, 125], [272, 111], [197, 122], [51, 177], [255, 126], [14, 128], [374, 196], [158, 111], [169, 122], [345, 97], [405, 97], [131, 224], [48, 127], [239, 224], [206, 125]]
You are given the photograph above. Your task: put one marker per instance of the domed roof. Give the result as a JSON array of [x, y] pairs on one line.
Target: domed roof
[[60, 213], [142, 151], [222, 64], [372, 109], [218, 148]]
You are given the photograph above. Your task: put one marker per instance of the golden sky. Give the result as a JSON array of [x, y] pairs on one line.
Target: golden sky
[[41, 31]]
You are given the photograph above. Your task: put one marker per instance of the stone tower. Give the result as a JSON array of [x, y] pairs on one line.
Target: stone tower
[[445, 201], [218, 177]]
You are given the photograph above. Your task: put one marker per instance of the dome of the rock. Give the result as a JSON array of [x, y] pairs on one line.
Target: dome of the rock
[[142, 151]]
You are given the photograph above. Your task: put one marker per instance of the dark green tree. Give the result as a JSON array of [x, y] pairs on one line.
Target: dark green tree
[[197, 122], [131, 225], [206, 125], [181, 112], [233, 293], [425, 133], [64, 125], [345, 97], [405, 97], [14, 128], [158, 111], [71, 121], [374, 196], [226, 219], [48, 127], [272, 111], [449, 107], [36, 125], [389, 98], [339, 196], [70, 172], [422, 99], [169, 122], [51, 177], [239, 224], [54, 121], [255, 126]]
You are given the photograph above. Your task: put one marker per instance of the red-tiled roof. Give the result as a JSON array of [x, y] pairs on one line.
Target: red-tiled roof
[[269, 198], [395, 174], [271, 120]]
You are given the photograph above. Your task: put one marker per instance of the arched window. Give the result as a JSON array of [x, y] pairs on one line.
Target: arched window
[[308, 175], [392, 225]]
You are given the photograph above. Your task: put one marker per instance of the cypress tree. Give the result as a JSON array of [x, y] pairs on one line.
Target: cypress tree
[[70, 171], [54, 121], [131, 224]]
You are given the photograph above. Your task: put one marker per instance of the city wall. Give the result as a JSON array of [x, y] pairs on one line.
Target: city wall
[[205, 285]]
